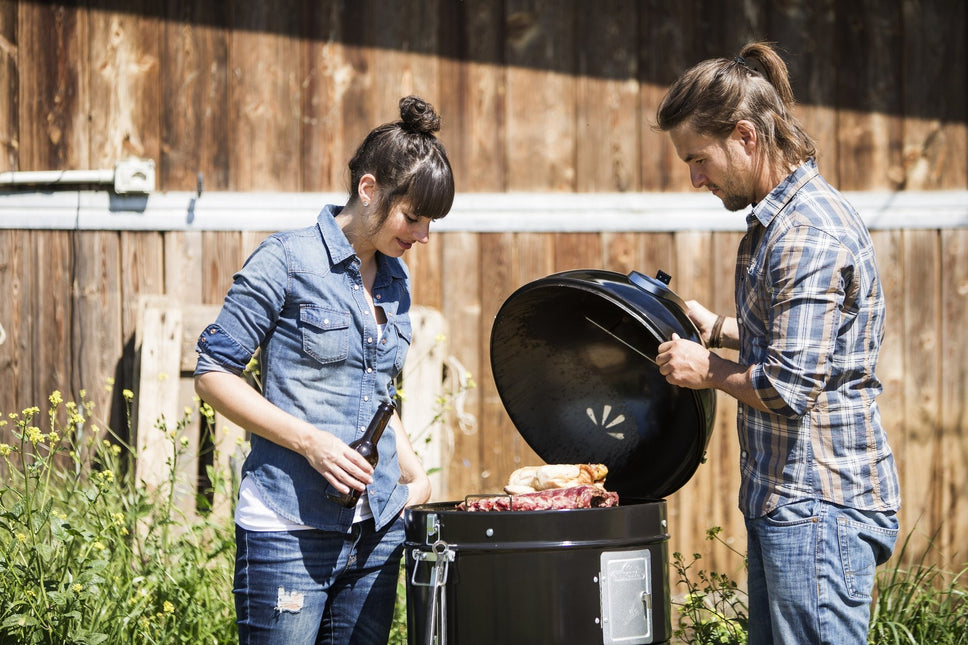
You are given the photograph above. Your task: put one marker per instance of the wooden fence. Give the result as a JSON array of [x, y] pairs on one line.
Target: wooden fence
[[70, 324], [538, 96]]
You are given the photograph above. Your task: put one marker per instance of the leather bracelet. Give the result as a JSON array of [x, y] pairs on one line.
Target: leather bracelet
[[716, 335]]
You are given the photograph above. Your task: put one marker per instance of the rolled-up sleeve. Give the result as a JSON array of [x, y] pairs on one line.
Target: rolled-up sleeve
[[250, 310], [807, 269]]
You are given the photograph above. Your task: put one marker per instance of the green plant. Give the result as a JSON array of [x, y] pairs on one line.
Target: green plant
[[912, 605], [920, 604], [714, 609], [89, 555]]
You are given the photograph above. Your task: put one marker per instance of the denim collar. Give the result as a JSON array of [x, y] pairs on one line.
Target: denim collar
[[341, 251]]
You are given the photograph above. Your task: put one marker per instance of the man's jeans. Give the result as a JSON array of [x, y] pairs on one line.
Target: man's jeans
[[291, 586], [811, 572]]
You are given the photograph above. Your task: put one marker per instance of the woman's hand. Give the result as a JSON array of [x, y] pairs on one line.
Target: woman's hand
[[342, 466]]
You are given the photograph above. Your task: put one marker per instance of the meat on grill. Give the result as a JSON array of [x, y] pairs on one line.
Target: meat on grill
[[585, 496]]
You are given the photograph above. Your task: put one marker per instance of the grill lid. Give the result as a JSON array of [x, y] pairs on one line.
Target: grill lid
[[572, 357]]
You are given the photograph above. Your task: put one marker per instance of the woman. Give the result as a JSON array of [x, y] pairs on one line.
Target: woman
[[328, 307]]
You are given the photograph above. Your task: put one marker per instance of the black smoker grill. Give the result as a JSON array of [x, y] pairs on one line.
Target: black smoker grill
[[572, 360]]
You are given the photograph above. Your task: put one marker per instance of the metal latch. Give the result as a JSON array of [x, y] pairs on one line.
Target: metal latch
[[441, 555]]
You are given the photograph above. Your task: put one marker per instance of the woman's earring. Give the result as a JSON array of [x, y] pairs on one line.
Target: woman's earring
[[366, 203]]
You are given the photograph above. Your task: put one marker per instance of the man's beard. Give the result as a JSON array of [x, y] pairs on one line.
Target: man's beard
[[734, 202]]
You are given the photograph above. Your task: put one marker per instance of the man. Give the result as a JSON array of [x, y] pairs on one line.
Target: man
[[819, 484]]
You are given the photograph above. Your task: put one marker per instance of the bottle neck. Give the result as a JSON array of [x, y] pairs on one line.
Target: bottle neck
[[378, 424]]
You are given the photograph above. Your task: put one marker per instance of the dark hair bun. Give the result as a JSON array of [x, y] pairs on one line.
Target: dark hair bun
[[418, 116]]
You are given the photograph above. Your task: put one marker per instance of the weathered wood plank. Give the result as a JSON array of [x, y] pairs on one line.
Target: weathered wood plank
[[222, 256], [96, 330], [193, 59], [472, 94], [689, 508], [577, 251], [325, 148], [461, 280], [125, 76], [49, 314], [16, 349], [425, 264], [498, 436], [535, 259], [265, 87], [869, 140], [806, 33], [10, 90], [157, 388], [607, 98], [54, 89], [933, 155], [891, 368], [952, 427], [422, 413], [183, 265], [669, 23], [541, 115], [920, 468]]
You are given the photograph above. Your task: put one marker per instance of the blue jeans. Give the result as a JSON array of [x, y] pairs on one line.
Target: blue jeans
[[811, 572], [312, 587]]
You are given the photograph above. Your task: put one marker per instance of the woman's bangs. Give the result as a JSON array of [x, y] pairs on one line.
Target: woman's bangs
[[431, 192]]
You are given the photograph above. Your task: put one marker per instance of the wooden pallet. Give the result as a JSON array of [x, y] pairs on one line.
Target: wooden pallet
[[166, 410]]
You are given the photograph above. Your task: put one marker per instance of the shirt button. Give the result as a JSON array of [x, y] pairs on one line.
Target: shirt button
[[325, 321], [366, 398], [356, 287], [369, 370], [378, 296], [743, 454], [370, 339]]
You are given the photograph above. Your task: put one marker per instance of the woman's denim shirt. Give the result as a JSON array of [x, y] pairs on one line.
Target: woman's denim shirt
[[300, 298]]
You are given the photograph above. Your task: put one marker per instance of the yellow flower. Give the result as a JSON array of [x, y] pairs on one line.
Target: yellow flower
[[97, 544], [4, 449], [115, 449], [52, 438], [184, 442], [21, 537], [127, 394], [77, 588], [34, 435], [55, 398], [168, 607]]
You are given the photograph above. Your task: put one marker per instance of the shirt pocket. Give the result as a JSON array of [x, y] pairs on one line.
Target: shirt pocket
[[404, 331], [325, 333]]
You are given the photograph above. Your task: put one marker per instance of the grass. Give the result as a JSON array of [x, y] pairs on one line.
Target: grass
[[89, 555], [914, 604]]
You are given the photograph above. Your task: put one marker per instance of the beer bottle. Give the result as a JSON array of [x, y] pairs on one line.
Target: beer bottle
[[366, 446]]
